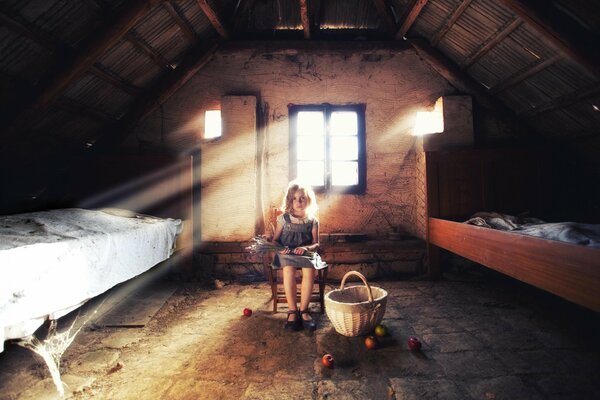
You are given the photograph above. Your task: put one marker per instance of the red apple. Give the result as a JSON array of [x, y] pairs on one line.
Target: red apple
[[247, 312], [414, 343], [327, 360], [371, 342]]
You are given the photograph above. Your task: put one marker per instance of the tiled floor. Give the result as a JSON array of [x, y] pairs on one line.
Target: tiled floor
[[484, 337]]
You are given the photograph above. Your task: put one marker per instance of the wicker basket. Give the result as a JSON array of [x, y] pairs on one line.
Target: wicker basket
[[355, 310]]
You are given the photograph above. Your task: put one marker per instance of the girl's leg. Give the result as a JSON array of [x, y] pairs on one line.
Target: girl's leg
[[289, 286], [308, 280]]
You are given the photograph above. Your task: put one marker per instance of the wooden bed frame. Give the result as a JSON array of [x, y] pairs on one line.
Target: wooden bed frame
[[460, 183]]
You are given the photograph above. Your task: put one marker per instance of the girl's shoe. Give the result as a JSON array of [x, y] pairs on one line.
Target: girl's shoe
[[295, 324], [308, 324]]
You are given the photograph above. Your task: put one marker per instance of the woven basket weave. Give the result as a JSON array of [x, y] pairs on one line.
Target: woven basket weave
[[355, 310]]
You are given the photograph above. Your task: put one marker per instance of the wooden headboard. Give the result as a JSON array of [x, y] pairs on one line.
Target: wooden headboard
[[512, 181]]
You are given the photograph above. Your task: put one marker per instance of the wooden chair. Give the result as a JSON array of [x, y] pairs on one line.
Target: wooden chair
[[276, 278], [278, 294]]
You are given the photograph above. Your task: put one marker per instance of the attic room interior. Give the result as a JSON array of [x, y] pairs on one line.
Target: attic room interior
[[146, 148]]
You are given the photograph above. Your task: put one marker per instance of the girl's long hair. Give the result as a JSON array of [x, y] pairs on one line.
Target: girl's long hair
[[288, 199]]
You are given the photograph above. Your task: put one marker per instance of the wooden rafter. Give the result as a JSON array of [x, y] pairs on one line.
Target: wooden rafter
[[385, 16], [109, 76], [196, 57], [524, 73], [181, 22], [414, 9], [305, 18], [464, 83], [25, 29], [213, 18], [563, 101], [149, 51], [101, 41], [450, 21], [74, 107], [315, 11], [490, 43], [240, 14], [574, 41]]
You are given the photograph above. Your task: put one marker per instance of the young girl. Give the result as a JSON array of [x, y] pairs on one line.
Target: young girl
[[298, 230]]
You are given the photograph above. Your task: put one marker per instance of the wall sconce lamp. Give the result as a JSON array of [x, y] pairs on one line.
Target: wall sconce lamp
[[430, 121]]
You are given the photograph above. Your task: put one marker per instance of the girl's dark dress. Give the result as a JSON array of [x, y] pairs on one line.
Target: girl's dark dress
[[295, 235]]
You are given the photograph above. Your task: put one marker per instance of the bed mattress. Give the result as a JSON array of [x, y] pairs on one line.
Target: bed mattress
[[51, 262]]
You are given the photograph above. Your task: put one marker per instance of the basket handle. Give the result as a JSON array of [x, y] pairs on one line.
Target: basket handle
[[362, 278]]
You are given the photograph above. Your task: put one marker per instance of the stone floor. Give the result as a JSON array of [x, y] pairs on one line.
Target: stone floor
[[484, 337]]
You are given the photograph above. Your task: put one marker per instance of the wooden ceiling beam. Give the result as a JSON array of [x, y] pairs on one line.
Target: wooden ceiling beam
[[240, 14], [111, 77], [74, 107], [458, 11], [524, 73], [573, 40], [490, 43], [413, 10], [146, 49], [385, 16], [563, 101], [196, 57], [181, 22], [85, 57], [305, 18], [464, 83], [30, 31], [213, 18]]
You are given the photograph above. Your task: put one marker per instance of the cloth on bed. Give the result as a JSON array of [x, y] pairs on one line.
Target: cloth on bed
[[53, 261], [569, 232]]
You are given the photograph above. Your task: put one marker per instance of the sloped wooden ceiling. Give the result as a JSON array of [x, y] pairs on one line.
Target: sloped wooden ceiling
[[78, 75]]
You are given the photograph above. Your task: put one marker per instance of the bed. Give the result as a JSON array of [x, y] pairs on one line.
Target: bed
[[461, 183], [52, 262]]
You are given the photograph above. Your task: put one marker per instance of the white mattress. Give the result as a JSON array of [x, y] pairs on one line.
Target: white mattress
[[53, 261]]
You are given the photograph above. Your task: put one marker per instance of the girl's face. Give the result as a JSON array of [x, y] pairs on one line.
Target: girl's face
[[300, 202]]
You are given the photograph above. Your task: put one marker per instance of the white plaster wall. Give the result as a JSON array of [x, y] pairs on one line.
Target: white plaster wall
[[393, 84]]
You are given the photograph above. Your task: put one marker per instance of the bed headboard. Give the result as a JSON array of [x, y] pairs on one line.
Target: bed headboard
[[512, 181]]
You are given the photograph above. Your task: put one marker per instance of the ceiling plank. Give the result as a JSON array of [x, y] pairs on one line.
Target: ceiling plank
[[169, 83], [458, 11], [183, 25], [490, 43], [149, 51], [413, 10], [213, 18], [304, 17], [26, 29], [464, 83], [563, 101], [524, 73], [85, 57], [111, 77], [385, 16], [576, 42]]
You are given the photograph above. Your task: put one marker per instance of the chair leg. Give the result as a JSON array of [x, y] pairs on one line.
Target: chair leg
[[273, 282]]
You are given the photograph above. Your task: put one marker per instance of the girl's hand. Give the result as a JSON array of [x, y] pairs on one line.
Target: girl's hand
[[299, 250], [286, 250]]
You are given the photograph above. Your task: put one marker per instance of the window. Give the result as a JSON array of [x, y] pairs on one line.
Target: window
[[212, 124], [327, 147]]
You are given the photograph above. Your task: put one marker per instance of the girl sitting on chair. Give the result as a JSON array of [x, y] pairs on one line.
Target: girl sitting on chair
[[298, 230]]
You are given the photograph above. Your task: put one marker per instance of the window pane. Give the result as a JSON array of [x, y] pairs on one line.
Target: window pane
[[344, 173], [311, 148], [344, 148], [344, 123], [312, 172], [212, 124], [311, 123]]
